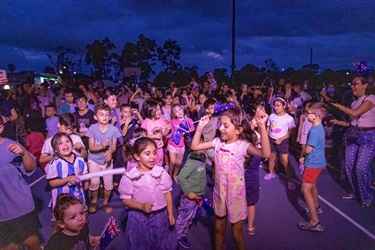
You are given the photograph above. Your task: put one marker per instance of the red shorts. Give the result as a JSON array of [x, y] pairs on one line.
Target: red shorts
[[310, 175]]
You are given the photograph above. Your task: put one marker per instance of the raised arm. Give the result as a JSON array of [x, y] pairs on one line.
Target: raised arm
[[261, 117], [196, 143]]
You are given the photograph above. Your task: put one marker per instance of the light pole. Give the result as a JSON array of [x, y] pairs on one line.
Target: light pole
[[233, 38]]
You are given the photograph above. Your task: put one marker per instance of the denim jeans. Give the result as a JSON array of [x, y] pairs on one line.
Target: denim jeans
[[358, 158]]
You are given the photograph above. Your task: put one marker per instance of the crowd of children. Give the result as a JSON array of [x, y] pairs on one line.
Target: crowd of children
[[160, 138]]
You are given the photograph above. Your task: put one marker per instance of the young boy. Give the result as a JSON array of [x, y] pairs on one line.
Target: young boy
[[66, 124], [68, 106], [315, 162], [102, 144], [19, 223], [192, 180], [128, 121], [85, 118], [51, 121]]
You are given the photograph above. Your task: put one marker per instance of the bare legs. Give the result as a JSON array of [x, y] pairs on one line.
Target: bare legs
[[237, 235]]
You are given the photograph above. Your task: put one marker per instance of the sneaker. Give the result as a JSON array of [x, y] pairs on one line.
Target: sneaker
[[318, 210], [366, 204], [183, 242], [307, 226], [268, 177], [291, 186], [349, 196]]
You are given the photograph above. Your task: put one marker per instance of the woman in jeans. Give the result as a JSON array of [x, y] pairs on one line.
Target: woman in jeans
[[359, 155]]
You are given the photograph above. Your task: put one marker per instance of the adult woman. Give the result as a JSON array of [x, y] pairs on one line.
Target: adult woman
[[358, 156], [8, 114], [91, 98]]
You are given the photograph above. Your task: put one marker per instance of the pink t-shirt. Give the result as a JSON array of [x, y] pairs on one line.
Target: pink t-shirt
[[175, 124], [153, 126], [146, 187], [34, 141]]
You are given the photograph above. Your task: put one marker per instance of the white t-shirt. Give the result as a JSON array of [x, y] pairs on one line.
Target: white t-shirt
[[279, 125], [367, 119], [47, 146], [305, 96]]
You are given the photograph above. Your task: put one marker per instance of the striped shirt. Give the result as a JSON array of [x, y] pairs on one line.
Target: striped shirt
[[59, 168]]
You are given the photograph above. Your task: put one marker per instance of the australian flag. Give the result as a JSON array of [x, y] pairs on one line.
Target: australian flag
[[183, 128], [111, 230]]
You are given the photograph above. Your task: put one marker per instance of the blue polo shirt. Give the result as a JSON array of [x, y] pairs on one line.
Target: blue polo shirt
[[316, 139]]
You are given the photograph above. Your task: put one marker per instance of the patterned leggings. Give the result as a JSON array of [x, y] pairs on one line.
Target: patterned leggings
[[358, 158]]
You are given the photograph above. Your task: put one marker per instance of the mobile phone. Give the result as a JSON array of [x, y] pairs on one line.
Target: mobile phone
[[3, 77]]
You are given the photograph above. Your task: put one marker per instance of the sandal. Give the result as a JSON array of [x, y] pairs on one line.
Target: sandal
[[107, 208], [250, 230], [93, 207]]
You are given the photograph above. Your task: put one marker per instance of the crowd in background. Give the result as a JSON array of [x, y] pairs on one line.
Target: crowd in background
[[33, 115]]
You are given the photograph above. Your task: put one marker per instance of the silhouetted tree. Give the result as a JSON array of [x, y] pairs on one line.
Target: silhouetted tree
[[271, 65], [49, 70], [101, 55], [169, 54], [142, 54]]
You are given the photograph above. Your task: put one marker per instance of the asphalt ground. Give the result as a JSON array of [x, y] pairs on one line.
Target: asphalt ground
[[346, 224]]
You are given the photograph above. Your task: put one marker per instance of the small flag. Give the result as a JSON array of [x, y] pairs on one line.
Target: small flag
[[182, 128], [111, 230]]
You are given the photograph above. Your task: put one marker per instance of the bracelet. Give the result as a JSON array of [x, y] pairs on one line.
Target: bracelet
[[200, 131]]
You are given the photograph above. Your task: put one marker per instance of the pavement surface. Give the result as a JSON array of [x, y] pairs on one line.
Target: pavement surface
[[346, 224]]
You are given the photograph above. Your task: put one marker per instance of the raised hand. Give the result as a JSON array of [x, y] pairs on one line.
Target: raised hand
[[17, 149], [261, 117]]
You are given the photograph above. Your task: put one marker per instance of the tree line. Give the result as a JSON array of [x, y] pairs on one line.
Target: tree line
[[145, 53]]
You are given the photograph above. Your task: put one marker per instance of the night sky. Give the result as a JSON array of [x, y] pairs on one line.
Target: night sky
[[339, 32]]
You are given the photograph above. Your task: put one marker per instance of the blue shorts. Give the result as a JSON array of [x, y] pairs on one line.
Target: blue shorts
[[19, 229], [282, 148]]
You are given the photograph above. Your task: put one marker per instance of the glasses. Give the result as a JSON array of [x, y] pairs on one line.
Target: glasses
[[310, 113], [356, 83], [81, 101]]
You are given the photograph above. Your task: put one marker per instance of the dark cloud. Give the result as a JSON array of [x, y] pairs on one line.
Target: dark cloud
[[338, 31]]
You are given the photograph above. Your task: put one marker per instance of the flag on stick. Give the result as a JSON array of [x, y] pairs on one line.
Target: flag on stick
[[110, 231]]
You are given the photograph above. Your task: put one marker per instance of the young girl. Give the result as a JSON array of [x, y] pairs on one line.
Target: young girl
[[231, 150], [63, 170], [167, 108], [252, 177], [279, 126], [199, 108], [303, 129], [146, 191], [131, 162], [43, 101], [156, 128], [177, 149], [72, 231]]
